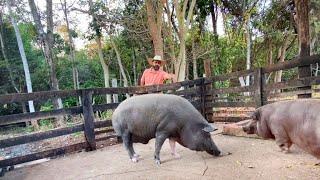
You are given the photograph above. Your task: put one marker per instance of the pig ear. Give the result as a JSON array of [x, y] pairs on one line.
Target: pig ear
[[254, 115], [209, 128]]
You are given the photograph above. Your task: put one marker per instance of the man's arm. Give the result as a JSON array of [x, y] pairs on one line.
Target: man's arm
[[170, 76], [142, 80]]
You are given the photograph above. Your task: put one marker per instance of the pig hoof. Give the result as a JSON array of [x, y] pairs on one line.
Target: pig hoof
[[158, 162], [136, 155], [285, 150], [134, 159]]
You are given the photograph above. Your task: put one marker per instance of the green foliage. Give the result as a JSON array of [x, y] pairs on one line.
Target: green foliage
[[106, 114], [46, 124]]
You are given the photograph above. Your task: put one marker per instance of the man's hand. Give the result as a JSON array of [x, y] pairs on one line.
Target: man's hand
[[173, 77]]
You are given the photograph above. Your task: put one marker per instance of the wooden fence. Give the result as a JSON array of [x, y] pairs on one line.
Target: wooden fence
[[260, 91], [203, 93]]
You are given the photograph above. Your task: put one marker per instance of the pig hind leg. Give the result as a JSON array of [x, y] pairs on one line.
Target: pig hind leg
[[128, 144], [172, 144]]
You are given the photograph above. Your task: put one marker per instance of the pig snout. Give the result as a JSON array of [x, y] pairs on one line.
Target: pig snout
[[246, 129], [250, 128], [213, 150], [217, 152]]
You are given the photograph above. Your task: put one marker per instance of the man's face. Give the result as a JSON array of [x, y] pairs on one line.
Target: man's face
[[156, 65]]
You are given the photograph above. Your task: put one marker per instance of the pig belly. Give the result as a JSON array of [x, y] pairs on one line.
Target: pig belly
[[140, 139], [308, 139]]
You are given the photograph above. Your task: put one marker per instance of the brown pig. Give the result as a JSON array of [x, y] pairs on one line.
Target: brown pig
[[289, 122]]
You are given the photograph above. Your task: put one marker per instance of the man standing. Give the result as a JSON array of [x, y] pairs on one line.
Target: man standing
[[154, 76]]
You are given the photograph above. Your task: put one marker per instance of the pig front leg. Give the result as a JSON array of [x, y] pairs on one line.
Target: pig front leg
[[128, 144], [160, 138], [282, 139]]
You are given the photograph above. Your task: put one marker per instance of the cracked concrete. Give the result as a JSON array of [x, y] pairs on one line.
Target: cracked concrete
[[250, 159]]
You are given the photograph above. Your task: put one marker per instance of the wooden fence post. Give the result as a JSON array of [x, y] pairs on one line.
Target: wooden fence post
[[258, 84], [88, 119], [202, 96], [206, 110]]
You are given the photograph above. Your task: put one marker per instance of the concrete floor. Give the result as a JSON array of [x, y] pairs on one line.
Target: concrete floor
[[249, 159]]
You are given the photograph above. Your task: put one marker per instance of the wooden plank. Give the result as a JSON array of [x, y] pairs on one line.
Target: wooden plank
[[104, 123], [289, 93], [237, 89], [233, 98], [106, 137], [228, 76], [231, 104], [103, 131], [88, 119], [145, 89], [43, 154], [104, 107], [228, 119], [50, 134], [40, 136], [308, 81], [25, 117], [37, 96], [44, 95], [296, 62], [191, 91]]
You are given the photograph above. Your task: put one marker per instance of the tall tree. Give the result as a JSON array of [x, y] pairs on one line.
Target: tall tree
[[183, 26], [170, 36], [154, 14], [75, 74], [123, 74], [24, 60], [302, 10], [46, 40], [282, 54]]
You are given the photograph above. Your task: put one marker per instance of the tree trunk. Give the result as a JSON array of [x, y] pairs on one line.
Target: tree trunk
[[207, 67], [248, 61], [302, 12], [105, 67], [134, 67], [123, 74], [170, 38], [115, 96], [214, 17], [75, 74], [155, 24], [47, 44], [24, 62], [180, 67], [52, 66], [194, 61], [282, 56]]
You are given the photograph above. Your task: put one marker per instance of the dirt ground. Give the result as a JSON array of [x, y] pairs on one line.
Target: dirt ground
[[249, 159]]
